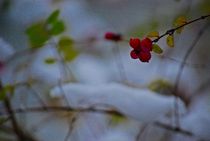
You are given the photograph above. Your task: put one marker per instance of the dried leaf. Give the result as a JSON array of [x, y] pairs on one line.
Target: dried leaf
[[170, 41]]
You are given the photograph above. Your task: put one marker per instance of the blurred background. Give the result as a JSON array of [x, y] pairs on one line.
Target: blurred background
[[101, 74]]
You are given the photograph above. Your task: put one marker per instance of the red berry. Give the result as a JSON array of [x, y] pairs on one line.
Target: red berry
[[146, 45], [144, 56], [135, 43], [134, 54], [112, 36]]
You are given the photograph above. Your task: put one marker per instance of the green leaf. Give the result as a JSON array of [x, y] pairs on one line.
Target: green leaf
[[57, 28], [37, 34], [50, 60], [65, 46], [53, 17], [170, 41], [6, 89], [156, 48]]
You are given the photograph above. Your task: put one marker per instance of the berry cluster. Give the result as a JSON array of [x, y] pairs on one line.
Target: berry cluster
[[113, 36], [141, 49]]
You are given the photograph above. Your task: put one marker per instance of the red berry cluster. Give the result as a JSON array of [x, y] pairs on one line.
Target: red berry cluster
[[113, 36], [141, 49]]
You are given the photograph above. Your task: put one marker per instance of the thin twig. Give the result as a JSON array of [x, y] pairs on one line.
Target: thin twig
[[119, 62], [20, 134], [181, 68], [193, 65], [171, 31], [141, 132], [71, 126], [102, 111]]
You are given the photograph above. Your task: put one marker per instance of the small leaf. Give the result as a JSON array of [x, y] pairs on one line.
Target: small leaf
[[53, 17], [157, 49], [170, 41], [179, 21], [65, 46], [37, 34], [57, 28], [50, 60], [153, 34]]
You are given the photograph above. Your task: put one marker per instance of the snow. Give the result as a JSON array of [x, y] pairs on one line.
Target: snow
[[197, 120], [140, 104]]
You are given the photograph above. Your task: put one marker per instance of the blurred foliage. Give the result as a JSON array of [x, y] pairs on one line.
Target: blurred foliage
[[53, 17], [161, 86], [65, 47], [39, 33], [7, 89], [57, 28]]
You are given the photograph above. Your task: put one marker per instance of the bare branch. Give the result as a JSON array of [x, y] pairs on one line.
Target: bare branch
[[171, 31], [102, 111]]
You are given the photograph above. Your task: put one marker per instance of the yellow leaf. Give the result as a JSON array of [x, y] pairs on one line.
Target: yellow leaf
[[153, 34], [179, 21], [157, 49], [170, 41]]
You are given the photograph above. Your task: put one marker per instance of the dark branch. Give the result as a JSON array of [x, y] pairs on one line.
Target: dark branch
[[171, 31], [102, 111]]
